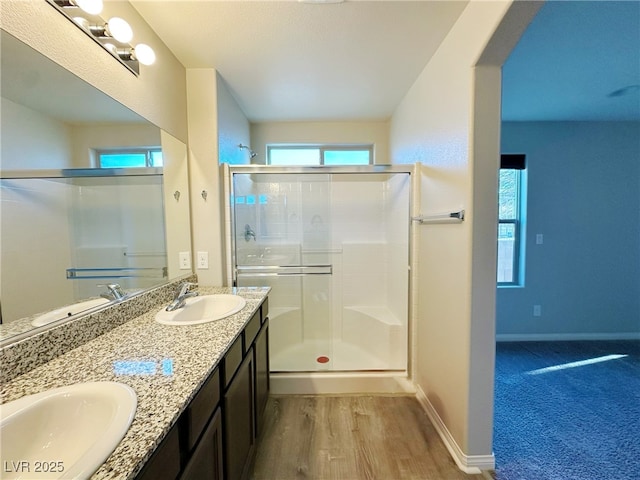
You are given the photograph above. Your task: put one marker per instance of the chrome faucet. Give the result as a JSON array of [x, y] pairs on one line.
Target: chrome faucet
[[115, 292], [181, 297], [248, 233]]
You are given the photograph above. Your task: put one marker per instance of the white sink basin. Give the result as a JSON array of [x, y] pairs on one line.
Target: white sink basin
[[202, 309], [65, 432], [68, 311]]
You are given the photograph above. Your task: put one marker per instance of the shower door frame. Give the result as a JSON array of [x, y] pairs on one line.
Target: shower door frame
[[228, 175], [321, 169]]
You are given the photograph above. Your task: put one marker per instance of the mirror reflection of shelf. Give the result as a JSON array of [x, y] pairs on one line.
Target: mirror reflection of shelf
[[96, 273]]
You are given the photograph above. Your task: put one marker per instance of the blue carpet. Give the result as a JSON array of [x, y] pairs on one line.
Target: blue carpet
[[580, 422]]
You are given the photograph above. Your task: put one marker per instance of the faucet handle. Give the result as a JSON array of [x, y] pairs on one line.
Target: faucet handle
[[185, 287]]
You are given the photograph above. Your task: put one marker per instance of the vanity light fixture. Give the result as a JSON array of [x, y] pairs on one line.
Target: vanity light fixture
[[92, 7], [116, 28], [113, 35], [142, 53]]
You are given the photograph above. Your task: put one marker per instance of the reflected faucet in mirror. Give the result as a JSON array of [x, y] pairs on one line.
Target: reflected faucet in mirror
[[115, 291]]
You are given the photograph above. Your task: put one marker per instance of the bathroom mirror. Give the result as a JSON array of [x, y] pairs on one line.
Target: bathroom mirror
[[64, 219]]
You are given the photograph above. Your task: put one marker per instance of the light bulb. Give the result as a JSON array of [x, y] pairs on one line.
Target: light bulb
[[83, 22], [92, 7], [120, 29], [144, 54], [111, 47]]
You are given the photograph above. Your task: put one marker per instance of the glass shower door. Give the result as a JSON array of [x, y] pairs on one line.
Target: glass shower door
[[282, 238]]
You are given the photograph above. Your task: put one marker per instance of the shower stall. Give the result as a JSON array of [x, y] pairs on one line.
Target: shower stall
[[66, 233], [333, 244]]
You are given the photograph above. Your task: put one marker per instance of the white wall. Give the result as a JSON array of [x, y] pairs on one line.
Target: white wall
[[207, 220], [216, 126], [33, 140], [583, 196], [376, 133], [449, 120], [233, 127], [176, 180]]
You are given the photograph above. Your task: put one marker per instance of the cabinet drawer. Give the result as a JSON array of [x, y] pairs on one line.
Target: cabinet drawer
[[232, 360], [201, 408], [251, 330]]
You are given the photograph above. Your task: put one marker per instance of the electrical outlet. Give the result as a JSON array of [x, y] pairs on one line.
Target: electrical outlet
[[203, 260], [539, 239], [184, 258], [537, 310]]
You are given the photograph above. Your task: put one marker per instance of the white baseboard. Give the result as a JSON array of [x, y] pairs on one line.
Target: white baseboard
[[564, 337], [470, 464]]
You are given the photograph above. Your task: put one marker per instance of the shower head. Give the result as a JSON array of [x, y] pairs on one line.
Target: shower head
[[251, 152]]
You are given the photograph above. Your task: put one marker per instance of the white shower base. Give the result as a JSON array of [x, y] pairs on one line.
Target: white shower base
[[350, 369], [367, 339], [370, 358], [341, 357]]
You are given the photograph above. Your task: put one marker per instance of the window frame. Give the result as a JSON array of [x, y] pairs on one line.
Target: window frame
[[322, 148], [517, 277], [147, 151]]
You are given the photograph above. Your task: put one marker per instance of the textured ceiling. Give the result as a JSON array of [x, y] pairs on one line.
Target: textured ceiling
[[286, 60]]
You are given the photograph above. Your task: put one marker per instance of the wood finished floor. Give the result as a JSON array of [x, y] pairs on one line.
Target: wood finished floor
[[351, 438]]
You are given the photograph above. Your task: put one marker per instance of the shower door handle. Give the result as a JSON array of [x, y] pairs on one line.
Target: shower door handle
[[290, 270]]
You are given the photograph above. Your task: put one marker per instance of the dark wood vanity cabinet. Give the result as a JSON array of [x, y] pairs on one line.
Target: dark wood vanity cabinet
[[201, 428], [238, 421], [245, 396], [165, 461], [206, 461], [215, 437]]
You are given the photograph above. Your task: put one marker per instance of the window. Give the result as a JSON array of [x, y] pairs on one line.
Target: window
[[510, 207], [319, 155], [129, 158]]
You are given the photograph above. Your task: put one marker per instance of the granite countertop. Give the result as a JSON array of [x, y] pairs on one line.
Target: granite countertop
[[23, 325], [164, 364]]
